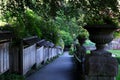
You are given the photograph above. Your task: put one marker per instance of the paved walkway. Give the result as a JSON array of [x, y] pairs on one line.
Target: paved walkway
[[60, 69]]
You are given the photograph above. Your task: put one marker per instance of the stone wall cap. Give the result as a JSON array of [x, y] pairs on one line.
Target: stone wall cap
[[30, 40]]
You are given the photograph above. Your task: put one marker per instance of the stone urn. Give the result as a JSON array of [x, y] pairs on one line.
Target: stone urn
[[99, 64], [101, 35]]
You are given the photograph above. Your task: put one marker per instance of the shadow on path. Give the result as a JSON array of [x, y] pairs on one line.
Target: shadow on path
[[60, 69]]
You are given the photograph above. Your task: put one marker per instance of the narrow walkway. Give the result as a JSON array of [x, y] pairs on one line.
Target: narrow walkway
[[60, 69]]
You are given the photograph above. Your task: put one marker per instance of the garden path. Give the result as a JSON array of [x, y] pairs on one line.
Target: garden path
[[60, 69]]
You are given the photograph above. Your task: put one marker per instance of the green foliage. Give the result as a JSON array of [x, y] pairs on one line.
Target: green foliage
[[61, 21], [43, 18], [116, 52], [12, 13], [89, 43], [66, 38], [92, 19], [117, 34], [96, 12], [83, 34], [32, 23], [16, 26], [71, 51], [24, 27], [50, 31], [67, 23], [61, 43], [8, 76], [101, 12]]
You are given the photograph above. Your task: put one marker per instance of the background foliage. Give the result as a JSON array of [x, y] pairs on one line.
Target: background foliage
[[59, 21], [54, 20]]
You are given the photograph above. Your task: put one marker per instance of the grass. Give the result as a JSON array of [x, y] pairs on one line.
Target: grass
[[117, 53]]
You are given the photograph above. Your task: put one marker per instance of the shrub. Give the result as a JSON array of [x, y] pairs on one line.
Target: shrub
[[71, 52], [50, 31], [32, 23], [61, 43], [66, 38], [83, 34]]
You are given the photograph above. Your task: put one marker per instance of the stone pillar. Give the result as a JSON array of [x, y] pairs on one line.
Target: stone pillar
[[100, 67], [80, 53]]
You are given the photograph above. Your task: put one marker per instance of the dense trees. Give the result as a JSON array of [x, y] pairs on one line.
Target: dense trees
[[49, 19]]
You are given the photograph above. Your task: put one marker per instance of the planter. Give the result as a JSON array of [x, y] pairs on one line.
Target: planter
[[101, 35], [100, 65]]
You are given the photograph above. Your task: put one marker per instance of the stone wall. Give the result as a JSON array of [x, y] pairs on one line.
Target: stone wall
[[4, 57]]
